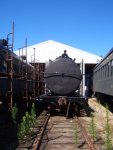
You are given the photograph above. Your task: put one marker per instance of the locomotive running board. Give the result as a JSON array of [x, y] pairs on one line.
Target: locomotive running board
[[55, 98]]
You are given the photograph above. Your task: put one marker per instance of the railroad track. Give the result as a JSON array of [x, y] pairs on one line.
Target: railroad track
[[57, 132], [37, 141], [60, 134], [87, 138]]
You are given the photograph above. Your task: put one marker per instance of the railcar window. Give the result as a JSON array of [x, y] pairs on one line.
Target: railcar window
[[101, 72], [96, 75], [112, 68], [108, 69], [105, 71]]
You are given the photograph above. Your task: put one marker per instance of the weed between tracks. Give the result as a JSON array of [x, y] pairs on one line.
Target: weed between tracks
[[76, 134], [108, 132], [92, 128]]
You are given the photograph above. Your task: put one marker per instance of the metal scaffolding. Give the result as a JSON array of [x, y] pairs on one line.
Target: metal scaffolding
[[25, 76], [34, 80], [40, 86], [9, 62], [18, 72]]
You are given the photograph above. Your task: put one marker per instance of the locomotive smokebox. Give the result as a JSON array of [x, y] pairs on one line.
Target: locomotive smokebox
[[62, 76]]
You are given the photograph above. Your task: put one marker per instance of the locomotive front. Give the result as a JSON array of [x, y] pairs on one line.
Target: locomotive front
[[62, 76]]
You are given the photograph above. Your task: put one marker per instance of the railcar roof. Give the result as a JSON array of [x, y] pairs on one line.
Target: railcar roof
[[109, 53]]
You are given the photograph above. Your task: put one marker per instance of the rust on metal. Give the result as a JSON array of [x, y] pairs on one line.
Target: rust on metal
[[37, 141], [39, 77], [62, 101], [9, 60], [87, 138]]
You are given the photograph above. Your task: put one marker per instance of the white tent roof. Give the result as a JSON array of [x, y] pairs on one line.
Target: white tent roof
[[51, 50]]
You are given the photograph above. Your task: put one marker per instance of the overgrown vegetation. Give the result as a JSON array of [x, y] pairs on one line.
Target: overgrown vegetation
[[14, 111], [108, 132], [27, 123], [22, 128], [33, 113], [92, 128]]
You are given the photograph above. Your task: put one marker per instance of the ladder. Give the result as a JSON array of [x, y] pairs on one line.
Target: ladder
[[9, 62]]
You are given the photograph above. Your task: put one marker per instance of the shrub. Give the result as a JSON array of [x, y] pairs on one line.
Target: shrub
[[22, 128], [28, 121], [33, 114], [14, 112]]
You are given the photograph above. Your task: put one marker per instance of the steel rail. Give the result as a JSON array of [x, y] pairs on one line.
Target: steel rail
[[86, 136], [37, 141]]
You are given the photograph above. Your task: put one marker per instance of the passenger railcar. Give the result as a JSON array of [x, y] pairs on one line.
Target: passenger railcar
[[103, 76]]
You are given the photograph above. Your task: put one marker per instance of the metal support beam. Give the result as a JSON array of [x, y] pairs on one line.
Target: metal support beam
[[9, 60], [82, 68]]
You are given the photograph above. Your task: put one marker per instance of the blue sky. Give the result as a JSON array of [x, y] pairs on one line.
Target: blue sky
[[83, 24]]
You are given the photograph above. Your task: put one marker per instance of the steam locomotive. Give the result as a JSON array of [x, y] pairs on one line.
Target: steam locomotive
[[19, 72], [63, 77]]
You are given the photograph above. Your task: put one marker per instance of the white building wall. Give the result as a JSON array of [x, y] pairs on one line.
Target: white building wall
[[51, 50]]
